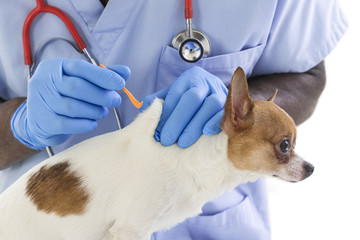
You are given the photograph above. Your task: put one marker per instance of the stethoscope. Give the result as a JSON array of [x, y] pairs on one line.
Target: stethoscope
[[192, 44]]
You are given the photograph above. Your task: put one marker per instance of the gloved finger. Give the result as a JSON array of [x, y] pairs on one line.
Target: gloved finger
[[67, 125], [55, 140], [81, 89], [213, 125], [149, 99], [74, 108], [99, 76], [175, 93], [122, 70], [184, 111], [212, 105]]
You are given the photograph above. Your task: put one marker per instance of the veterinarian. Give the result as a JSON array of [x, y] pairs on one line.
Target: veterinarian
[[280, 44]]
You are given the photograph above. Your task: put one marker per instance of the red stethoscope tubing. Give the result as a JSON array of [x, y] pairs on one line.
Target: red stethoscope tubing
[[188, 9], [41, 7]]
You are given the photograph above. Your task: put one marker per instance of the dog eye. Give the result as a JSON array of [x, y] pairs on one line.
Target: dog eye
[[285, 146]]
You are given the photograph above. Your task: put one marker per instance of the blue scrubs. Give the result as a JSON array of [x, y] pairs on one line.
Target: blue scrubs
[[261, 36]]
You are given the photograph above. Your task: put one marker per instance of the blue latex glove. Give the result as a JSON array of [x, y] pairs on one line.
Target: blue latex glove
[[193, 106], [66, 96]]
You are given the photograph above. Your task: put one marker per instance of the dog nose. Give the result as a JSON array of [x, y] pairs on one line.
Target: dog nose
[[309, 168]]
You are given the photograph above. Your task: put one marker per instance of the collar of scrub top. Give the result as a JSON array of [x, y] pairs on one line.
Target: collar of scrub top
[[41, 7]]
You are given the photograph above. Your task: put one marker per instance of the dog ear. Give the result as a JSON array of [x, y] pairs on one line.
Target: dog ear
[[238, 107], [271, 99]]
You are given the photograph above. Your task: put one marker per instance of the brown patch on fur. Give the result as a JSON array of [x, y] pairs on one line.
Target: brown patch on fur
[[57, 189]]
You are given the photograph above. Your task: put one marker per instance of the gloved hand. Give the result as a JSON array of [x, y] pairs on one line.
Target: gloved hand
[[66, 96], [193, 106]]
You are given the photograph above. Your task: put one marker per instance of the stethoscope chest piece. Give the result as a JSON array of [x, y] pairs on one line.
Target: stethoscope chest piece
[[192, 49], [192, 44]]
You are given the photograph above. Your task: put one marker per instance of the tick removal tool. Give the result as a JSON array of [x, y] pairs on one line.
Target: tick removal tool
[[41, 7], [133, 100]]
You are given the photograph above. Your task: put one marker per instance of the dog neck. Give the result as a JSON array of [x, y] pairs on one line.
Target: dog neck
[[204, 165], [212, 171]]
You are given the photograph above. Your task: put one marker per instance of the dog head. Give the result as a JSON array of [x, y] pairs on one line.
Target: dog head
[[261, 136]]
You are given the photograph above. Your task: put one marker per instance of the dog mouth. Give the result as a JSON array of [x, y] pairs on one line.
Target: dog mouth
[[277, 176]]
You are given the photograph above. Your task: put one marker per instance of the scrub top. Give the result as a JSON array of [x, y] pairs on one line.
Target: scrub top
[[261, 36]]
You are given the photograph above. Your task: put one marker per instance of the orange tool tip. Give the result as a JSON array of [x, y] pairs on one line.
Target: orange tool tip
[[133, 100]]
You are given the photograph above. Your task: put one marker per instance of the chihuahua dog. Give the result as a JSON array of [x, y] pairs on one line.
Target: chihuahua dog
[[125, 185]]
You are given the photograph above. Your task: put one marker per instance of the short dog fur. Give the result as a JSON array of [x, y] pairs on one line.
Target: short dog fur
[[125, 185]]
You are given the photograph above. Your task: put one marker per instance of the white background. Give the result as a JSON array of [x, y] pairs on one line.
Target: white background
[[327, 205]]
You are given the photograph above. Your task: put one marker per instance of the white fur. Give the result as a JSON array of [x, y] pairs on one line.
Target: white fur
[[136, 185]]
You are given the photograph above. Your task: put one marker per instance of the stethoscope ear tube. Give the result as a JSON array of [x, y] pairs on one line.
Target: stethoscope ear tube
[[41, 7]]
